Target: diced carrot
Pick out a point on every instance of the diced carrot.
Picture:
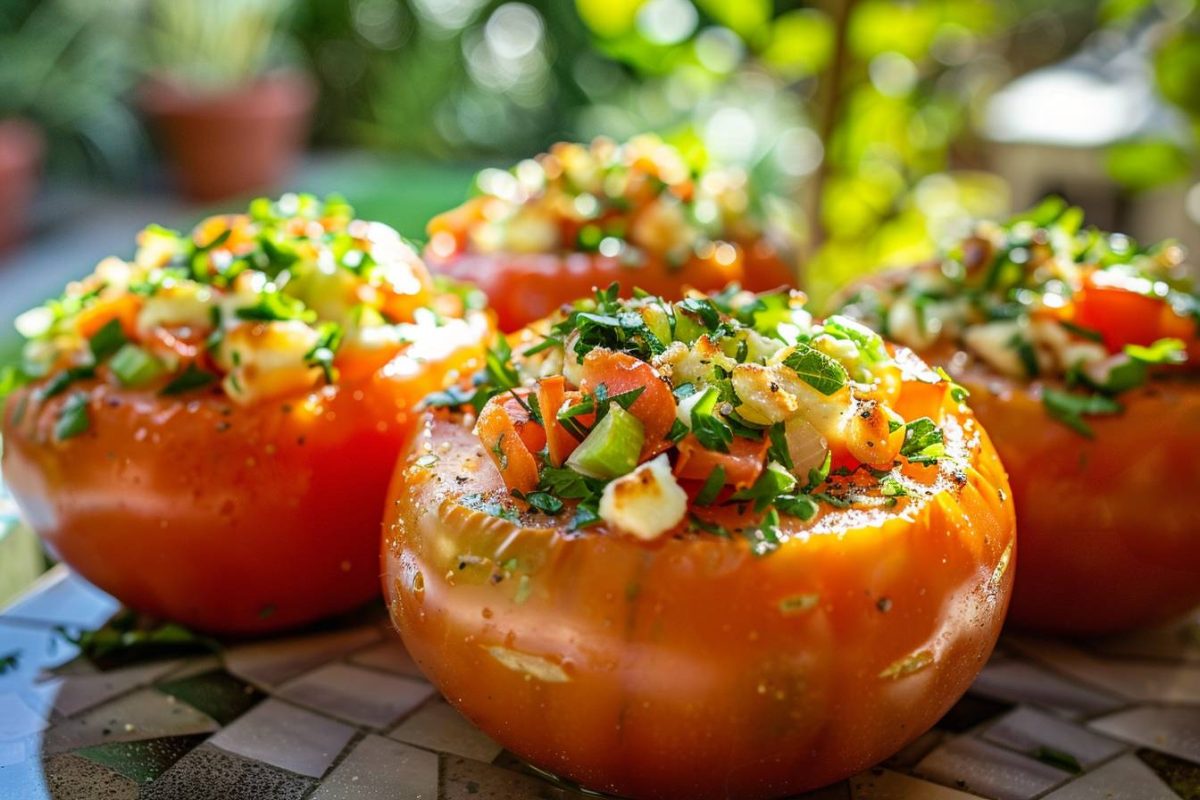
(500, 439)
(531, 433)
(620, 373)
(551, 392)
(920, 399)
(124, 307)
(457, 222)
(742, 464)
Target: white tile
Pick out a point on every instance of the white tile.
(389, 656)
(287, 737)
(1027, 730)
(358, 695)
(438, 726)
(988, 770)
(1171, 730)
(61, 597)
(1022, 682)
(272, 662)
(380, 769)
(17, 720)
(1124, 778)
(464, 779)
(1136, 680)
(142, 714)
(79, 692)
(883, 784)
(1176, 641)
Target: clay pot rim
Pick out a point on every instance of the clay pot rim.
(269, 94)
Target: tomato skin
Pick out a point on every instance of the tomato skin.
(523, 288)
(225, 518)
(669, 669)
(1109, 524)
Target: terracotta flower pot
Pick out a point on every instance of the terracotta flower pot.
(232, 143)
(20, 164)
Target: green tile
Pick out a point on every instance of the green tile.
(216, 693)
(142, 761)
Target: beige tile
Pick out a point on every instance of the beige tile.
(284, 736)
(437, 726)
(142, 714)
(380, 769)
(1124, 778)
(1171, 730)
(272, 662)
(358, 695)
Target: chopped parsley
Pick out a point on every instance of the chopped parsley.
(1070, 408)
(820, 371)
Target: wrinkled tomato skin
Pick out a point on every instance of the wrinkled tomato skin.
(228, 519)
(677, 668)
(524, 288)
(1109, 526)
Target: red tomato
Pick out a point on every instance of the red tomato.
(227, 518)
(688, 667)
(523, 288)
(1108, 524)
(1122, 317)
(742, 464)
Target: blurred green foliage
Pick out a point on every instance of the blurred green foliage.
(858, 112)
(66, 65)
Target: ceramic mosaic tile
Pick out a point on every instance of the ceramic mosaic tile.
(357, 695)
(285, 736)
(208, 773)
(1048, 738)
(1135, 680)
(380, 769)
(884, 784)
(80, 692)
(389, 656)
(1125, 778)
(73, 778)
(343, 712)
(1178, 641)
(989, 771)
(438, 727)
(274, 661)
(142, 714)
(1171, 730)
(1020, 681)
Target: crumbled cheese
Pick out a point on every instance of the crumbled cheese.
(179, 305)
(266, 359)
(993, 343)
(645, 503)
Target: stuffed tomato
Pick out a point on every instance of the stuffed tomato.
(207, 431)
(555, 227)
(701, 549)
(1080, 351)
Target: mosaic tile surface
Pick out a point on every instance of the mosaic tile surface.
(341, 712)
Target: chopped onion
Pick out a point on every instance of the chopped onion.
(806, 446)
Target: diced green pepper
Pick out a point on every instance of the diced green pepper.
(612, 448)
(133, 366)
